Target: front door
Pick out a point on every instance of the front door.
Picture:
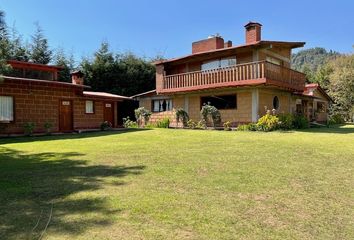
(108, 112)
(65, 116)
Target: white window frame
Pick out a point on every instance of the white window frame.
(89, 109)
(158, 103)
(219, 63)
(7, 109)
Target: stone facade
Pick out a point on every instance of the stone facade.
(242, 114)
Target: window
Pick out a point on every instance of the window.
(227, 62)
(275, 103)
(321, 107)
(273, 60)
(89, 107)
(161, 105)
(6, 109)
(219, 63)
(220, 102)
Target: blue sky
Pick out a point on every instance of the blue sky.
(150, 27)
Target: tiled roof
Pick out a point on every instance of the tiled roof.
(259, 43)
(31, 64)
(311, 87)
(46, 82)
(144, 93)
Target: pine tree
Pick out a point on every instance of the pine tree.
(124, 74)
(67, 62)
(40, 52)
(19, 51)
(4, 45)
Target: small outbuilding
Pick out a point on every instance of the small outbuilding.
(33, 94)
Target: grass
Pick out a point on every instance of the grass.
(179, 184)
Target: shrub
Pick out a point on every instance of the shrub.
(336, 119)
(28, 128)
(247, 127)
(286, 121)
(227, 126)
(150, 125)
(268, 123)
(142, 114)
(300, 122)
(201, 125)
(164, 123)
(127, 123)
(211, 111)
(183, 116)
(191, 124)
(48, 127)
(106, 126)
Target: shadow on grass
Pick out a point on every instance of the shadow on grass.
(33, 186)
(7, 140)
(338, 129)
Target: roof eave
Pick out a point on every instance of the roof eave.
(251, 45)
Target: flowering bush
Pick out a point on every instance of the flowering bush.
(191, 124)
(127, 123)
(201, 124)
(142, 114)
(213, 112)
(227, 126)
(268, 123)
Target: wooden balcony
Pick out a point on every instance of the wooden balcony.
(254, 73)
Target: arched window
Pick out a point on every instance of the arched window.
(275, 103)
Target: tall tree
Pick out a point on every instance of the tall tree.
(341, 85)
(124, 74)
(19, 51)
(67, 62)
(39, 48)
(5, 45)
(99, 71)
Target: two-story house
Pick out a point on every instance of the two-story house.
(242, 81)
(31, 93)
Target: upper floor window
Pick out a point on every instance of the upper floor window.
(89, 107)
(219, 63)
(273, 60)
(31, 73)
(220, 102)
(6, 109)
(161, 105)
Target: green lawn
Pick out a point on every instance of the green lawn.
(179, 184)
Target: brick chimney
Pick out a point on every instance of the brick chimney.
(77, 77)
(253, 32)
(211, 43)
(228, 44)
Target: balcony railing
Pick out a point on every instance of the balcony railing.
(243, 74)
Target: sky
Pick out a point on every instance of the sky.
(156, 27)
